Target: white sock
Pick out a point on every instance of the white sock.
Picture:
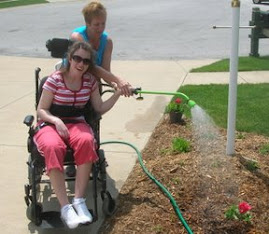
(78, 200)
(65, 208)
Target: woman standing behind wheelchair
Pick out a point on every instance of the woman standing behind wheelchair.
(71, 88)
(94, 33)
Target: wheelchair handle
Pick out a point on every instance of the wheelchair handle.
(37, 71)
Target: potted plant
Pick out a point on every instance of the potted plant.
(175, 109)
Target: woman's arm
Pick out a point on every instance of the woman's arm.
(101, 106)
(75, 36)
(104, 71)
(109, 78)
(106, 61)
(44, 113)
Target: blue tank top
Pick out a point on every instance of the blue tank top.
(103, 40)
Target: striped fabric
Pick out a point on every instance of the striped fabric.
(66, 97)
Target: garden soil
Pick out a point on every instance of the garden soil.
(204, 182)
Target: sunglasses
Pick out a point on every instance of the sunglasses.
(78, 59)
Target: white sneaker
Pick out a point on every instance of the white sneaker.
(70, 217)
(82, 210)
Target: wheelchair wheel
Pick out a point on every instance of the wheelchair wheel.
(34, 213)
(109, 204)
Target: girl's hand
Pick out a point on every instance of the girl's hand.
(127, 93)
(61, 128)
(118, 92)
(125, 88)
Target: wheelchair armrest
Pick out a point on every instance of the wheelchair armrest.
(28, 120)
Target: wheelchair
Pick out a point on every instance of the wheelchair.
(36, 162)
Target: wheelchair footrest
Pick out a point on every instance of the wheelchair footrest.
(52, 219)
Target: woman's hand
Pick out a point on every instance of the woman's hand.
(125, 87)
(61, 128)
(126, 90)
(109, 78)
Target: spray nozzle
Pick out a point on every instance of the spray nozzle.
(137, 91)
(191, 103)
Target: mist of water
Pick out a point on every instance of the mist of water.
(214, 166)
(205, 132)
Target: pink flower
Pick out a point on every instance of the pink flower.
(178, 100)
(244, 207)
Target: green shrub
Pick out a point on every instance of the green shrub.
(252, 165)
(264, 149)
(180, 145)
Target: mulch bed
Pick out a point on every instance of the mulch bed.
(205, 182)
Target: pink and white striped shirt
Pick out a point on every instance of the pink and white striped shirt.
(64, 96)
(69, 98)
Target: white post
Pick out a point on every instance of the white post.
(233, 78)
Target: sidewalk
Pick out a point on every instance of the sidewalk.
(130, 120)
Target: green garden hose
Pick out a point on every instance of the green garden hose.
(190, 102)
(164, 190)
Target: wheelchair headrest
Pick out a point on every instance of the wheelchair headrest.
(58, 46)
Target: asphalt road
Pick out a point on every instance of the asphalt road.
(141, 29)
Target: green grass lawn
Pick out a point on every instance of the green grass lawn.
(252, 105)
(252, 99)
(244, 64)
(6, 4)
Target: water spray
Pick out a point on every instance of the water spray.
(190, 102)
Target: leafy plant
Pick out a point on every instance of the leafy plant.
(158, 228)
(176, 105)
(180, 145)
(241, 136)
(240, 212)
(165, 151)
(264, 149)
(252, 165)
(181, 163)
(175, 180)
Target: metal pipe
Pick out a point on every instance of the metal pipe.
(233, 78)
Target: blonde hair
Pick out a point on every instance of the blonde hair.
(92, 10)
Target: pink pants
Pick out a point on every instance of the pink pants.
(53, 147)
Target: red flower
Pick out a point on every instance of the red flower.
(178, 100)
(244, 207)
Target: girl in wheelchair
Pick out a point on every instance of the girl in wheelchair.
(61, 123)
